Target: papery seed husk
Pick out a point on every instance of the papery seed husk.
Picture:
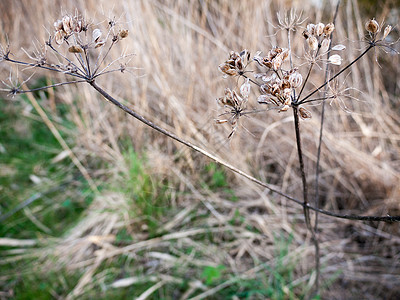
(372, 26)
(329, 28)
(66, 24)
(319, 29)
(96, 34)
(386, 32)
(339, 47)
(99, 44)
(325, 45)
(245, 89)
(123, 33)
(75, 49)
(304, 113)
(335, 59)
(311, 29)
(58, 25)
(313, 42)
(59, 37)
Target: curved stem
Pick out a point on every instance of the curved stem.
(232, 168)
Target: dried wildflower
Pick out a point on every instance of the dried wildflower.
(290, 20)
(235, 106)
(372, 26)
(236, 64)
(335, 59)
(273, 59)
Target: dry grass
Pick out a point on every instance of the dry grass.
(178, 46)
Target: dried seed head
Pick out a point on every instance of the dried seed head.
(75, 49)
(319, 29)
(325, 45)
(96, 34)
(59, 37)
(312, 42)
(387, 30)
(372, 26)
(329, 28)
(335, 59)
(304, 113)
(123, 33)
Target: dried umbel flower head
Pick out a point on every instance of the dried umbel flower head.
(236, 64)
(274, 59)
(235, 106)
(372, 26)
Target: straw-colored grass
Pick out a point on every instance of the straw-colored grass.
(178, 46)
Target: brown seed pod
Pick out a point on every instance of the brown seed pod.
(304, 113)
(75, 49)
(329, 28)
(59, 37)
(372, 26)
(123, 33)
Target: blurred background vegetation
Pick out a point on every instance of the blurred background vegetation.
(163, 222)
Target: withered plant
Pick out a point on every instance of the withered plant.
(80, 49)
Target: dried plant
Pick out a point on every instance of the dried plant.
(80, 49)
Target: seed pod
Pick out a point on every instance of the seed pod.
(329, 28)
(123, 33)
(99, 44)
(313, 42)
(387, 30)
(311, 29)
(325, 45)
(96, 34)
(75, 49)
(245, 89)
(319, 29)
(59, 37)
(304, 113)
(372, 26)
(335, 59)
(295, 80)
(58, 25)
(66, 20)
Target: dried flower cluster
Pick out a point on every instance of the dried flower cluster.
(81, 50)
(280, 83)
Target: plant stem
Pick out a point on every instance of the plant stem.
(344, 69)
(232, 168)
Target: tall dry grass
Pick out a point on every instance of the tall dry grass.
(178, 46)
